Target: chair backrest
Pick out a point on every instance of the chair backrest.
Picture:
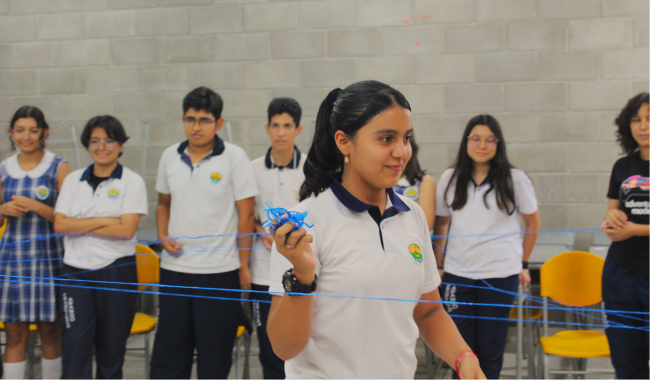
(573, 278)
(3, 228)
(147, 262)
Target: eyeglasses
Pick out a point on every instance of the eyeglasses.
(109, 144)
(476, 139)
(189, 122)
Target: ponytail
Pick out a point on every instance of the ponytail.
(343, 110)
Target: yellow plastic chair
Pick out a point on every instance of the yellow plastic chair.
(572, 279)
(147, 263)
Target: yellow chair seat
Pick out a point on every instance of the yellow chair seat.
(143, 323)
(240, 331)
(576, 344)
(534, 314)
(32, 327)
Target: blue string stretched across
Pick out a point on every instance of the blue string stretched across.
(515, 233)
(282, 215)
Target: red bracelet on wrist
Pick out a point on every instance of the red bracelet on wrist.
(462, 356)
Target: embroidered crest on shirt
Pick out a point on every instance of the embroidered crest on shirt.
(416, 253)
(411, 192)
(42, 192)
(112, 193)
(215, 177)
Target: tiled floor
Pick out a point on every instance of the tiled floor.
(134, 363)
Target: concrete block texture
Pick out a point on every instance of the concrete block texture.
(641, 32)
(592, 157)
(566, 188)
(5, 56)
(536, 97)
(62, 81)
(218, 75)
(82, 5)
(294, 45)
(164, 78)
(474, 98)
(549, 35)
(85, 53)
(539, 157)
(393, 70)
(276, 74)
(50, 105)
(104, 80)
(110, 24)
(17, 28)
(586, 215)
(217, 19)
(36, 54)
(271, 16)
(568, 66)
(327, 14)
(189, 49)
(135, 51)
(469, 39)
(445, 68)
(83, 107)
(443, 11)
(504, 67)
(424, 99)
(554, 217)
(164, 21)
(500, 10)
(244, 46)
(4, 7)
(623, 64)
(562, 9)
(60, 26)
(616, 8)
(328, 73)
(600, 34)
(34, 6)
(133, 4)
(384, 12)
(21, 82)
(567, 127)
(353, 43)
(602, 95)
(425, 39)
(138, 106)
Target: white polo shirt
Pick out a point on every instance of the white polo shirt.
(280, 186)
(489, 256)
(203, 203)
(124, 192)
(359, 256)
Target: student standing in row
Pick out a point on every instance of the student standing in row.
(99, 209)
(205, 186)
(30, 184)
(482, 194)
(625, 276)
(418, 186)
(366, 241)
(279, 177)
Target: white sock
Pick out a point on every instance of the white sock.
(14, 370)
(51, 368)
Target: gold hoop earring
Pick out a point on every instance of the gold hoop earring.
(346, 159)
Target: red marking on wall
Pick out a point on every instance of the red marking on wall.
(417, 43)
(425, 17)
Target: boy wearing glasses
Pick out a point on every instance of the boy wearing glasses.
(279, 177)
(205, 213)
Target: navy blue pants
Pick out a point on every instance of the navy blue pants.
(487, 338)
(187, 323)
(96, 319)
(272, 365)
(627, 291)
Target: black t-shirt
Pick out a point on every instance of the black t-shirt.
(94, 181)
(629, 184)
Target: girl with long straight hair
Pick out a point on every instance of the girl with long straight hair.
(484, 196)
(365, 241)
(30, 183)
(625, 275)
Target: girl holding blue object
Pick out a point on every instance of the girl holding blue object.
(363, 240)
(625, 275)
(482, 194)
(418, 186)
(30, 184)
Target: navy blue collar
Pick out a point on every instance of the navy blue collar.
(116, 173)
(293, 164)
(219, 147)
(354, 204)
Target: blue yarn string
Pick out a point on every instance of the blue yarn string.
(281, 216)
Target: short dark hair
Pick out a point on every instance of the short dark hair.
(624, 133)
(278, 106)
(29, 112)
(109, 124)
(203, 98)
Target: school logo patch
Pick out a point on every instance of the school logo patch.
(215, 177)
(416, 253)
(42, 192)
(113, 193)
(411, 192)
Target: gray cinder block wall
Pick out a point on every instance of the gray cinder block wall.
(554, 72)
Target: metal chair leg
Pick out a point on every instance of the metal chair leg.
(247, 350)
(31, 356)
(237, 353)
(147, 363)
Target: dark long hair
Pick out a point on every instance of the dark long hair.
(624, 133)
(499, 176)
(412, 171)
(30, 112)
(343, 110)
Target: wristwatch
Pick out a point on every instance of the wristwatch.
(292, 285)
